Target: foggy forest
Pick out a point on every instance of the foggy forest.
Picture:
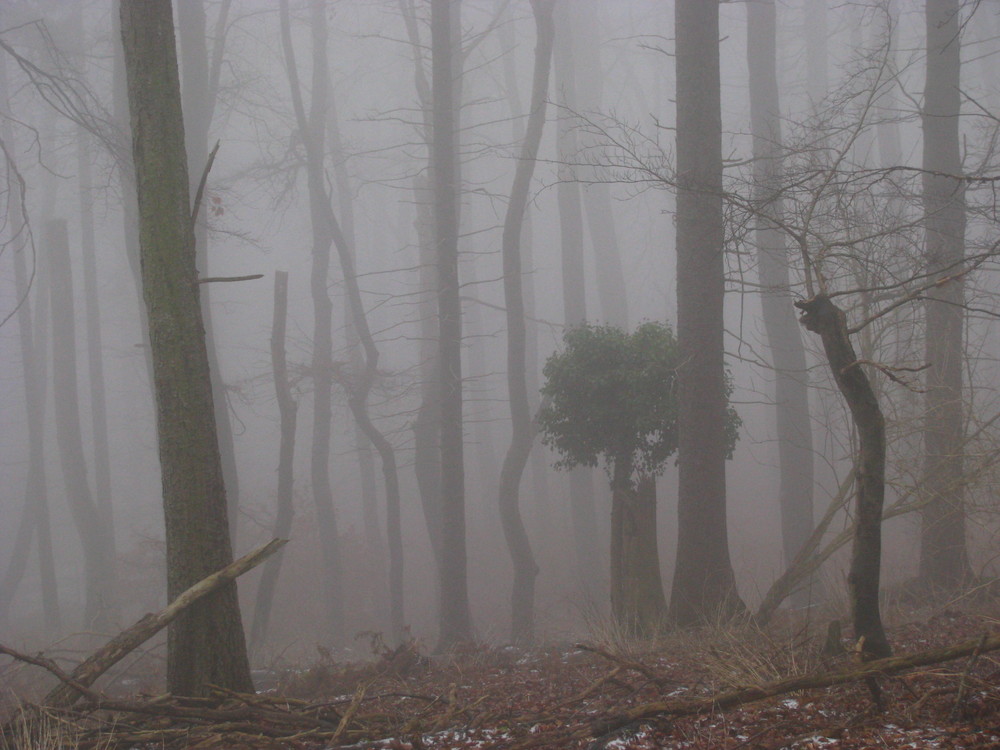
(499, 373)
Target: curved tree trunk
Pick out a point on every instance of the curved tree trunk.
(312, 129)
(823, 317)
(523, 430)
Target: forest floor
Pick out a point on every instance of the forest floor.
(574, 696)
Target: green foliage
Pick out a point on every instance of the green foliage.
(613, 395)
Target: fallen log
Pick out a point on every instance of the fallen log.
(742, 695)
(99, 662)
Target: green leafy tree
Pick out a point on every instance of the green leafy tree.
(611, 398)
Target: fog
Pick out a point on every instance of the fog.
(59, 63)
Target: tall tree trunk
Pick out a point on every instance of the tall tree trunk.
(32, 336)
(288, 418)
(944, 562)
(582, 500)
(199, 91)
(791, 395)
(98, 565)
(455, 621)
(824, 318)
(522, 428)
(205, 645)
(814, 26)
(361, 382)
(704, 584)
(312, 130)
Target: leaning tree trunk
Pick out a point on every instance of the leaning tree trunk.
(523, 430)
(704, 584)
(824, 318)
(791, 387)
(287, 420)
(206, 645)
(944, 561)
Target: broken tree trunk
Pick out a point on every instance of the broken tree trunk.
(128, 640)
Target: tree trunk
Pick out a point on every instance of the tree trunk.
(455, 620)
(98, 566)
(704, 584)
(944, 562)
(824, 318)
(32, 337)
(581, 481)
(288, 417)
(199, 91)
(637, 601)
(522, 428)
(791, 395)
(206, 645)
(312, 129)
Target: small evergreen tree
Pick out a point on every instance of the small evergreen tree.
(611, 396)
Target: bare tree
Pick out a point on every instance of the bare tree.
(944, 561)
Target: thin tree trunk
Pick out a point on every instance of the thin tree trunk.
(312, 128)
(288, 418)
(98, 565)
(455, 621)
(704, 584)
(206, 645)
(824, 318)
(791, 394)
(944, 562)
(522, 428)
(32, 333)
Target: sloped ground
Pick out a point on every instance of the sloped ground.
(568, 696)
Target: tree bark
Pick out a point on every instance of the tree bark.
(704, 584)
(824, 318)
(788, 358)
(205, 645)
(944, 562)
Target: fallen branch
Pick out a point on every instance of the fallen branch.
(121, 645)
(740, 696)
